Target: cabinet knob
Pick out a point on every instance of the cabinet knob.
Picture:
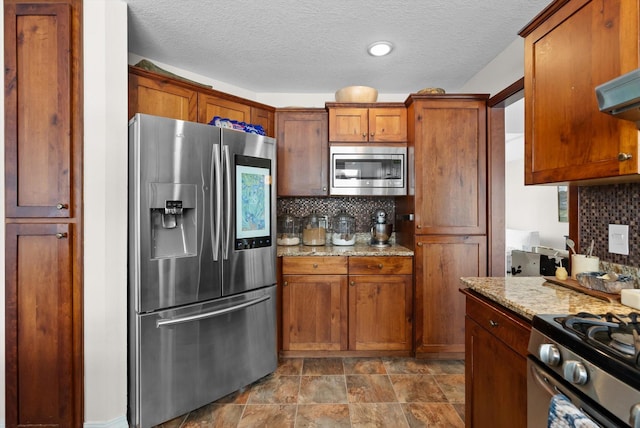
(380, 266)
(418, 227)
(352, 283)
(315, 265)
(624, 156)
(364, 135)
(284, 284)
(493, 323)
(419, 244)
(61, 235)
(324, 188)
(373, 134)
(62, 206)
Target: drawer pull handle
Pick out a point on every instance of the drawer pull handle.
(419, 244)
(315, 265)
(61, 235)
(418, 227)
(61, 206)
(285, 284)
(493, 323)
(352, 283)
(624, 156)
(380, 266)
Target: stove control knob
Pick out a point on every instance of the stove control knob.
(549, 354)
(575, 372)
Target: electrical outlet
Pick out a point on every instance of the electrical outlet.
(619, 239)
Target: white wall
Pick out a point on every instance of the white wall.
(105, 214)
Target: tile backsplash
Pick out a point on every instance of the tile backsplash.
(600, 206)
(362, 208)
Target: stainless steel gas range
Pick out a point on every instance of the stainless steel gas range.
(588, 361)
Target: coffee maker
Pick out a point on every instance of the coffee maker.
(380, 230)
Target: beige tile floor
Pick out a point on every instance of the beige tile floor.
(342, 392)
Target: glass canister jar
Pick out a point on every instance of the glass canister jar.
(288, 230)
(343, 229)
(314, 229)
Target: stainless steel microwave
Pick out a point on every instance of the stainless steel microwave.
(370, 170)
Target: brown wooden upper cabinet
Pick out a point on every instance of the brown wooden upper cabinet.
(570, 48)
(450, 143)
(159, 95)
(373, 123)
(303, 152)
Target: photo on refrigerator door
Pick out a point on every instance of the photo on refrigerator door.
(253, 202)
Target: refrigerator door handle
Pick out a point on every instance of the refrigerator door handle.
(226, 166)
(211, 314)
(216, 228)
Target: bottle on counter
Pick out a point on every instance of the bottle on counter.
(288, 230)
(343, 229)
(314, 229)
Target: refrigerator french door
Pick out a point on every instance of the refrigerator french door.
(201, 265)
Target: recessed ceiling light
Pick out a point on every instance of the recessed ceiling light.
(380, 48)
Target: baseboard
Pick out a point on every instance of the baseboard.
(120, 422)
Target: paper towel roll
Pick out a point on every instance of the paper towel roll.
(581, 263)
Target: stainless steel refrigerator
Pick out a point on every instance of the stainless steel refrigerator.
(202, 320)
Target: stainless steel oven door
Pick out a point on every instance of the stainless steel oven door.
(542, 385)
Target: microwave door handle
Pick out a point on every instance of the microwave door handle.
(226, 167)
(211, 314)
(216, 228)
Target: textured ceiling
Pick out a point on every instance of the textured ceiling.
(318, 47)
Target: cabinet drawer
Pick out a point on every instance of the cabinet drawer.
(507, 327)
(380, 265)
(314, 265)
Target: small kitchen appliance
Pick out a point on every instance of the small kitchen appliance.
(380, 230)
(591, 360)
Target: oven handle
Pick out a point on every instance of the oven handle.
(550, 385)
(211, 314)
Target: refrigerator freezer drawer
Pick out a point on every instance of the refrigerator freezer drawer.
(185, 358)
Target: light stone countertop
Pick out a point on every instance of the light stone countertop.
(359, 249)
(529, 296)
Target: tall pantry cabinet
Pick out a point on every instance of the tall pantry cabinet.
(43, 213)
(444, 216)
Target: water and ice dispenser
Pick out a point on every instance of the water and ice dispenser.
(173, 212)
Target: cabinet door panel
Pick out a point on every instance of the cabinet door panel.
(380, 312)
(579, 47)
(303, 153)
(161, 98)
(263, 118)
(210, 106)
(450, 167)
(387, 125)
(348, 124)
(497, 375)
(38, 119)
(440, 262)
(39, 301)
(314, 313)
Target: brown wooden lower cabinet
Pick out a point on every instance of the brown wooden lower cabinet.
(39, 333)
(495, 365)
(440, 263)
(361, 304)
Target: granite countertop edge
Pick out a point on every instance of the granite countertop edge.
(529, 296)
(359, 249)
